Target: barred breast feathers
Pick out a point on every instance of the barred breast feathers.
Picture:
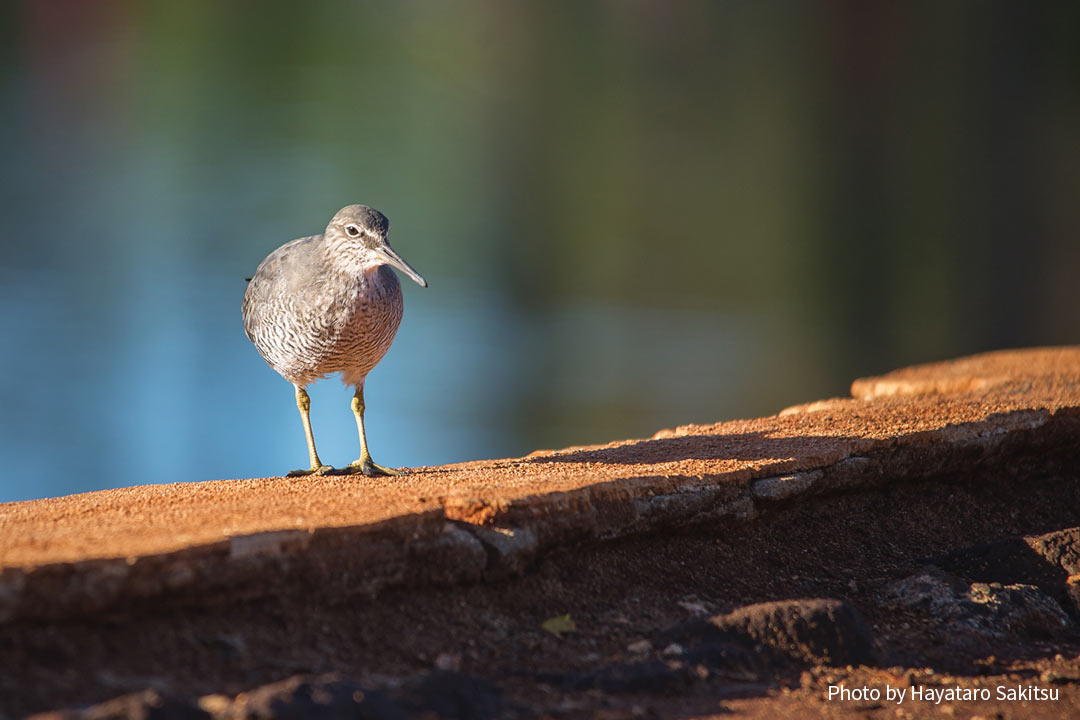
(331, 324)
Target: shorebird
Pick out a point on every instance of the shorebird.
(325, 304)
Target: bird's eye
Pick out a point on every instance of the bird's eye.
(352, 230)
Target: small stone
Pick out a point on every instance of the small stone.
(448, 661)
(673, 649)
(693, 606)
(784, 486)
(639, 647)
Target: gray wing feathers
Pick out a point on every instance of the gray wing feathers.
(280, 276)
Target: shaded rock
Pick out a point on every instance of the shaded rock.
(1061, 548)
(812, 631)
(782, 487)
(509, 549)
(761, 642)
(1072, 592)
(1022, 610)
(1048, 561)
(993, 610)
(1009, 561)
(932, 590)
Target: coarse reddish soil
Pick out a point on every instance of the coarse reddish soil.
(435, 593)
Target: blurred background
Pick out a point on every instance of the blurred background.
(633, 215)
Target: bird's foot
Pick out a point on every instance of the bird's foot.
(368, 467)
(314, 470)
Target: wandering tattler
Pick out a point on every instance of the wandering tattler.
(329, 303)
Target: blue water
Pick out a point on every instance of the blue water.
(631, 218)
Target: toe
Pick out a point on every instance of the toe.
(368, 468)
(320, 470)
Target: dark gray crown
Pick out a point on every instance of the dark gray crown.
(367, 218)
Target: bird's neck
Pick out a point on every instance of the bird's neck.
(357, 278)
(344, 259)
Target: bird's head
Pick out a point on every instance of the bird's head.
(365, 232)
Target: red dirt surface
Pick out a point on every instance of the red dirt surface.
(149, 519)
(217, 588)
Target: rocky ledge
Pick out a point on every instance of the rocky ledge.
(921, 534)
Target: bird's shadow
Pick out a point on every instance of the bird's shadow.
(751, 446)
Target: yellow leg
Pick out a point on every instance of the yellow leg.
(365, 464)
(303, 404)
